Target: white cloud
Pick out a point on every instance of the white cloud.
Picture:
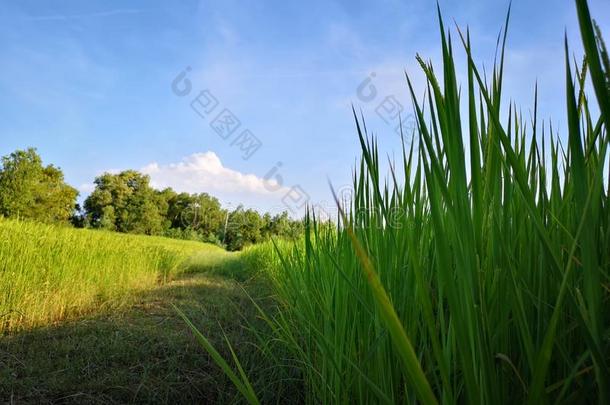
(204, 172)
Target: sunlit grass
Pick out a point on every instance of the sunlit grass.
(483, 275)
(48, 273)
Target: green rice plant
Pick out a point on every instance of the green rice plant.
(485, 275)
(48, 273)
(241, 382)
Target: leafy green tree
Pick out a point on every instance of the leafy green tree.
(126, 202)
(244, 227)
(78, 218)
(281, 226)
(178, 209)
(200, 213)
(30, 190)
(232, 234)
(163, 199)
(209, 215)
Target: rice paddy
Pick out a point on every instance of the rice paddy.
(474, 269)
(49, 273)
(478, 270)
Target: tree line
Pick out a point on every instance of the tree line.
(126, 202)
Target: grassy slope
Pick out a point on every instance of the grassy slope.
(142, 353)
(50, 273)
(88, 317)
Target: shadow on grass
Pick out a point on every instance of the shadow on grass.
(142, 354)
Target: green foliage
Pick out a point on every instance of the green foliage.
(48, 272)
(281, 226)
(247, 227)
(142, 352)
(125, 202)
(463, 278)
(198, 213)
(243, 228)
(241, 382)
(30, 190)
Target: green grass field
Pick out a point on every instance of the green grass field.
(89, 317)
(141, 352)
(477, 270)
(49, 273)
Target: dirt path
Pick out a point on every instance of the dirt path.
(142, 354)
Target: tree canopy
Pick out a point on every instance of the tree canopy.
(30, 190)
(126, 202)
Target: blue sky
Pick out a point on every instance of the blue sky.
(90, 83)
